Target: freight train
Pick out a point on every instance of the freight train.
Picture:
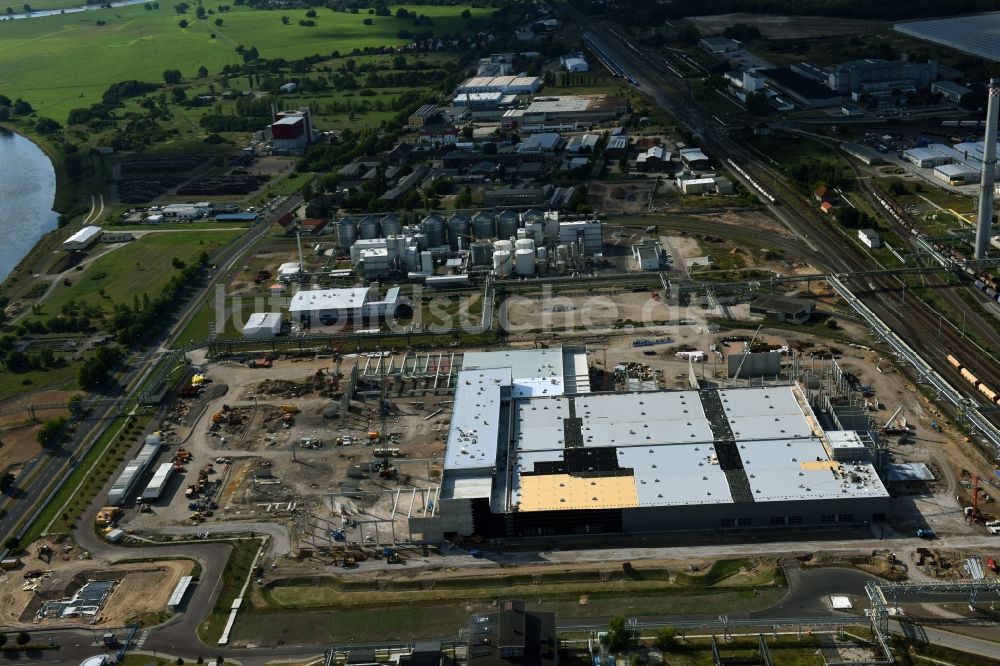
(757, 186)
(984, 282)
(990, 393)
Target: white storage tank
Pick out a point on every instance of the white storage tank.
(524, 262)
(542, 254)
(522, 233)
(501, 262)
(525, 244)
(503, 245)
(562, 253)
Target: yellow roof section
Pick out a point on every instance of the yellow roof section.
(819, 464)
(547, 492)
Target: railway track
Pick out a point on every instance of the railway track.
(912, 319)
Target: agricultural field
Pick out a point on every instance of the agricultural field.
(137, 43)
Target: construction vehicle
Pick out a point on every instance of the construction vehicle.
(926, 533)
(287, 420)
(392, 556)
(289, 409)
(265, 362)
(107, 516)
(895, 425)
(992, 565)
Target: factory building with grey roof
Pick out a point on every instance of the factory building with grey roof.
(532, 452)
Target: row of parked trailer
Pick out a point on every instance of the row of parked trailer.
(985, 389)
(984, 282)
(126, 481)
(761, 190)
(607, 61)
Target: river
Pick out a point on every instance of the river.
(27, 191)
(69, 10)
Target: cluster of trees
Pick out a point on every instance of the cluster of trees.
(96, 370)
(810, 174)
(17, 107)
(855, 219)
(22, 637)
(113, 98)
(641, 12)
(50, 435)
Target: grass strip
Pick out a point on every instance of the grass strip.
(233, 577)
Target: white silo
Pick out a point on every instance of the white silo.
(525, 244)
(522, 233)
(503, 246)
(501, 262)
(562, 253)
(524, 262)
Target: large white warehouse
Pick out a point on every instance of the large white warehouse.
(531, 452)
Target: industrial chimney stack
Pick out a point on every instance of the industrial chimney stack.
(984, 223)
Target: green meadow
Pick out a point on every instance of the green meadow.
(63, 62)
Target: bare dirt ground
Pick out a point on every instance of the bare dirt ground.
(273, 476)
(18, 431)
(143, 587)
(786, 27)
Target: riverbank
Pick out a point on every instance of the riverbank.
(71, 202)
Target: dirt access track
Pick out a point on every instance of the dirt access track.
(786, 27)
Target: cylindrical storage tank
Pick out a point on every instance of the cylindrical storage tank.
(433, 228)
(481, 252)
(347, 233)
(507, 224)
(426, 262)
(524, 262)
(560, 266)
(484, 225)
(503, 245)
(562, 253)
(537, 231)
(368, 228)
(542, 255)
(392, 225)
(525, 244)
(501, 263)
(458, 232)
(421, 241)
(522, 233)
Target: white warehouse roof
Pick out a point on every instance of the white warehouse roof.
(84, 235)
(329, 299)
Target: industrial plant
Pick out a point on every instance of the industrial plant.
(531, 451)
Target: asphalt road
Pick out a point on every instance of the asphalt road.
(53, 465)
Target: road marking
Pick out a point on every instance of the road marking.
(139, 642)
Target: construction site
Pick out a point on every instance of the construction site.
(348, 451)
